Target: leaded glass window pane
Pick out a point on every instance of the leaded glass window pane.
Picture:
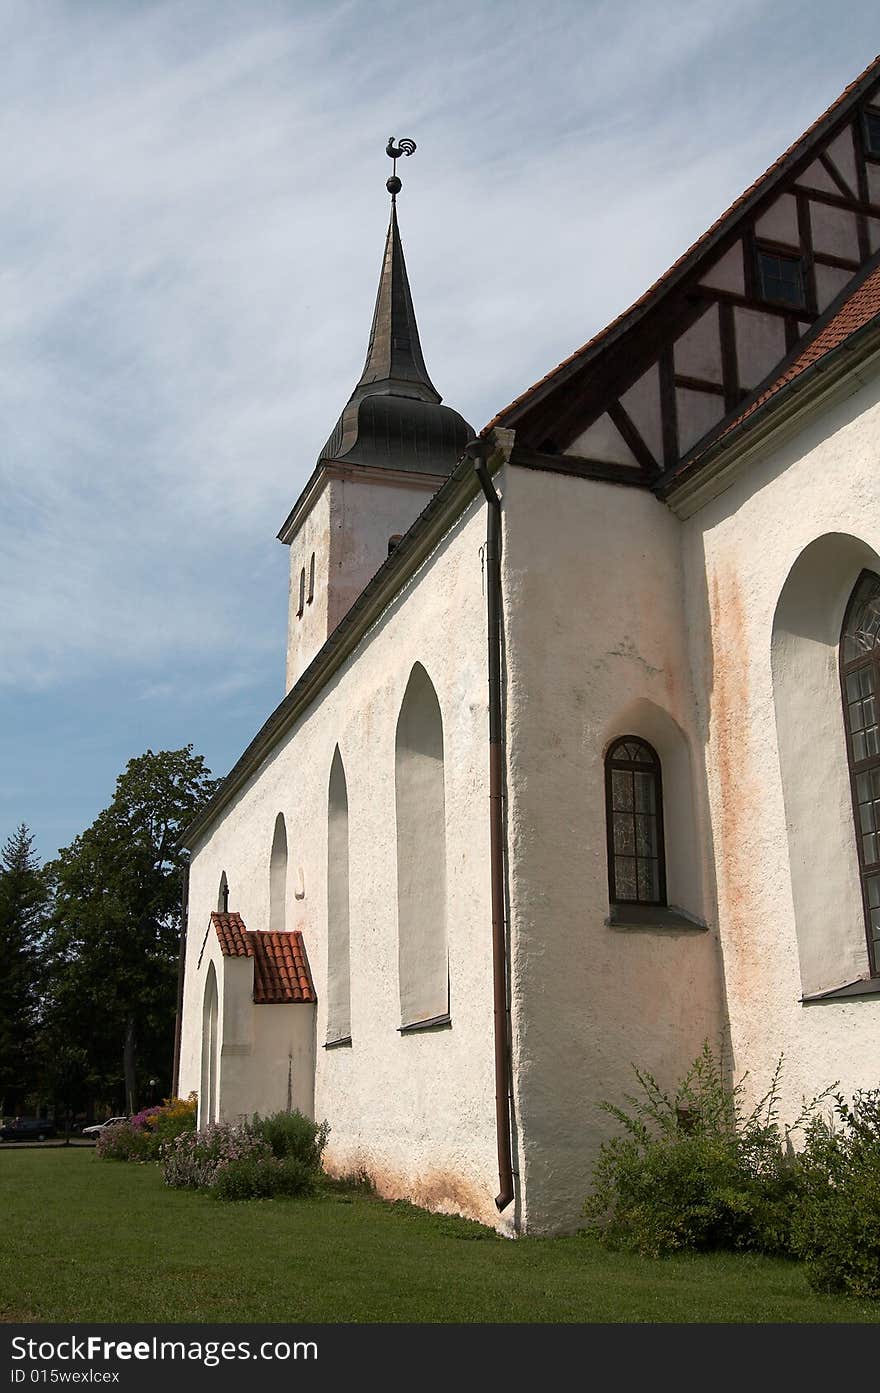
(862, 625)
(635, 823)
(860, 685)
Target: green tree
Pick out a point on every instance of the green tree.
(115, 925)
(23, 903)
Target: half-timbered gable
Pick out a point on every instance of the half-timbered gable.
(649, 391)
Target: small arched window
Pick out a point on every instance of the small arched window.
(394, 541)
(302, 593)
(860, 683)
(311, 594)
(223, 894)
(634, 814)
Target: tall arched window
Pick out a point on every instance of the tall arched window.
(421, 854)
(278, 876)
(634, 814)
(311, 594)
(208, 1089)
(302, 593)
(860, 682)
(338, 938)
(223, 895)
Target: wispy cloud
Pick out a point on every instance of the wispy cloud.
(191, 219)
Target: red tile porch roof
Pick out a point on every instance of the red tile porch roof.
(281, 965)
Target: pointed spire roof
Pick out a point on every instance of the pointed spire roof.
(394, 418)
(394, 357)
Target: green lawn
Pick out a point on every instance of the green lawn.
(91, 1240)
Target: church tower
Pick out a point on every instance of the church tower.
(390, 450)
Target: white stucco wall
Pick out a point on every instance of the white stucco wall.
(266, 1058)
(595, 649)
(740, 550)
(415, 1110)
(347, 528)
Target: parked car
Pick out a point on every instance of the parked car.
(27, 1129)
(97, 1127)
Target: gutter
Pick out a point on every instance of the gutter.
(479, 450)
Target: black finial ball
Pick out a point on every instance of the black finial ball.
(393, 185)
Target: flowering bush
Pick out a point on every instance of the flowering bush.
(142, 1138)
(255, 1159)
(145, 1119)
(193, 1160)
(125, 1142)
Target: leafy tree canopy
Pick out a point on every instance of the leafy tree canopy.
(116, 920)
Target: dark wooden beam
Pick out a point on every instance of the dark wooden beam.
(668, 408)
(729, 365)
(864, 189)
(842, 263)
(632, 437)
(748, 302)
(805, 232)
(834, 173)
(578, 466)
(698, 384)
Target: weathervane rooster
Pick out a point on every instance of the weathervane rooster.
(394, 152)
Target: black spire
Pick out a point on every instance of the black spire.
(394, 418)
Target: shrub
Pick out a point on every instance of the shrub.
(175, 1116)
(837, 1225)
(277, 1155)
(694, 1171)
(262, 1177)
(125, 1142)
(143, 1136)
(193, 1160)
(292, 1134)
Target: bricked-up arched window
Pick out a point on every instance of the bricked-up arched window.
(634, 812)
(860, 681)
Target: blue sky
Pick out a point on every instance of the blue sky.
(193, 213)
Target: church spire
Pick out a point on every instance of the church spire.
(394, 357)
(394, 418)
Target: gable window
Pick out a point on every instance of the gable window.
(634, 812)
(311, 594)
(860, 682)
(780, 278)
(302, 593)
(872, 132)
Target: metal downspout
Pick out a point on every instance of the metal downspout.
(477, 450)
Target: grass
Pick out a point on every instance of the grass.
(91, 1240)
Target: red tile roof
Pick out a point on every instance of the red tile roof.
(281, 964)
(281, 968)
(653, 292)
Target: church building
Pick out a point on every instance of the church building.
(578, 764)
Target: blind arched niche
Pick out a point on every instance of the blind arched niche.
(421, 854)
(278, 876)
(811, 736)
(338, 938)
(210, 1013)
